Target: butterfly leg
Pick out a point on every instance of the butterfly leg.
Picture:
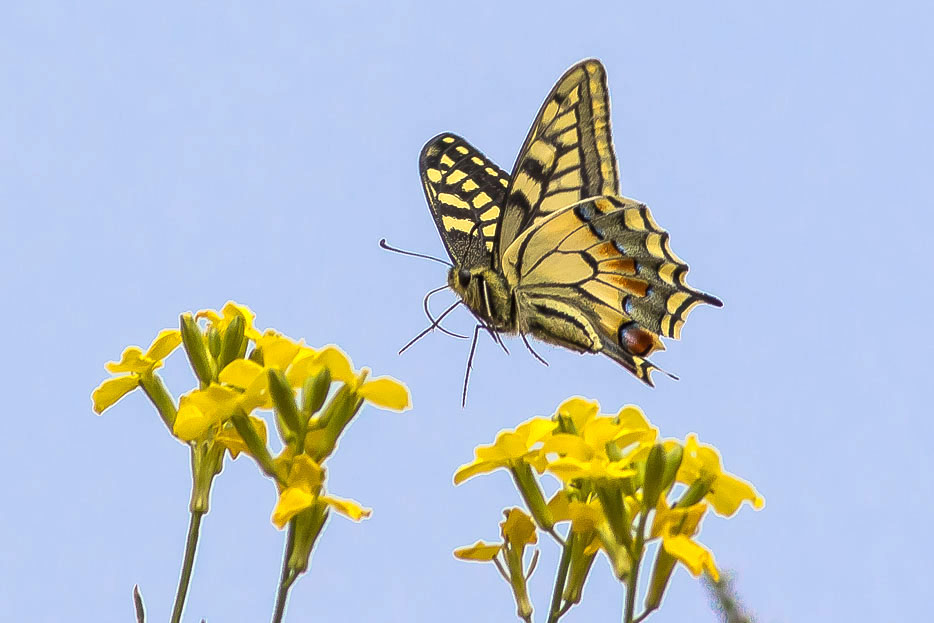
(473, 349)
(532, 350)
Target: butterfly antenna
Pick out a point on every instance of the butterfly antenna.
(532, 350)
(437, 323)
(473, 349)
(384, 245)
(433, 325)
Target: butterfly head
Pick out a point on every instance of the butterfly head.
(484, 291)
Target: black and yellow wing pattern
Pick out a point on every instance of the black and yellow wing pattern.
(465, 193)
(557, 252)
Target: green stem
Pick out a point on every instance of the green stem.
(191, 545)
(633, 580)
(643, 616)
(286, 578)
(555, 611)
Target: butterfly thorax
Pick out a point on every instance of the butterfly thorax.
(486, 293)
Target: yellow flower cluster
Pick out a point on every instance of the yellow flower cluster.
(242, 370)
(615, 475)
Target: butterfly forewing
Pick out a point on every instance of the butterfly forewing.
(567, 156)
(465, 192)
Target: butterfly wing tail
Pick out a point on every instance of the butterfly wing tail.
(557, 317)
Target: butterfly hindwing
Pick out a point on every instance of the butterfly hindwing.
(600, 277)
(465, 192)
(567, 156)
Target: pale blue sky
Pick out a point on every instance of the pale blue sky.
(159, 160)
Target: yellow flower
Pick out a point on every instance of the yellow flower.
(727, 492)
(221, 321)
(579, 411)
(676, 527)
(303, 490)
(517, 529)
(510, 449)
(585, 455)
(133, 363)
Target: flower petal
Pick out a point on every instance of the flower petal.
(161, 347)
(518, 528)
(565, 444)
(112, 390)
(191, 422)
(692, 555)
(476, 468)
(337, 363)
(292, 501)
(348, 508)
(631, 417)
(131, 360)
(728, 493)
(278, 350)
(305, 472)
(240, 373)
(231, 308)
(580, 410)
(478, 552)
(567, 469)
(386, 392)
(584, 517)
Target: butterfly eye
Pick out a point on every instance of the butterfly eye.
(463, 277)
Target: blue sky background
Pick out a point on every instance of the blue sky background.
(158, 160)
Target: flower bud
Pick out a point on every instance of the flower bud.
(231, 343)
(283, 398)
(201, 361)
(306, 528)
(661, 574)
(672, 463)
(614, 509)
(696, 492)
(214, 341)
(654, 473)
(579, 568)
(315, 392)
(532, 495)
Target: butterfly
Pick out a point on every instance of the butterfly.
(553, 250)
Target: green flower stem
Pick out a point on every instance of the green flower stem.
(643, 616)
(191, 545)
(206, 462)
(632, 582)
(555, 611)
(286, 577)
